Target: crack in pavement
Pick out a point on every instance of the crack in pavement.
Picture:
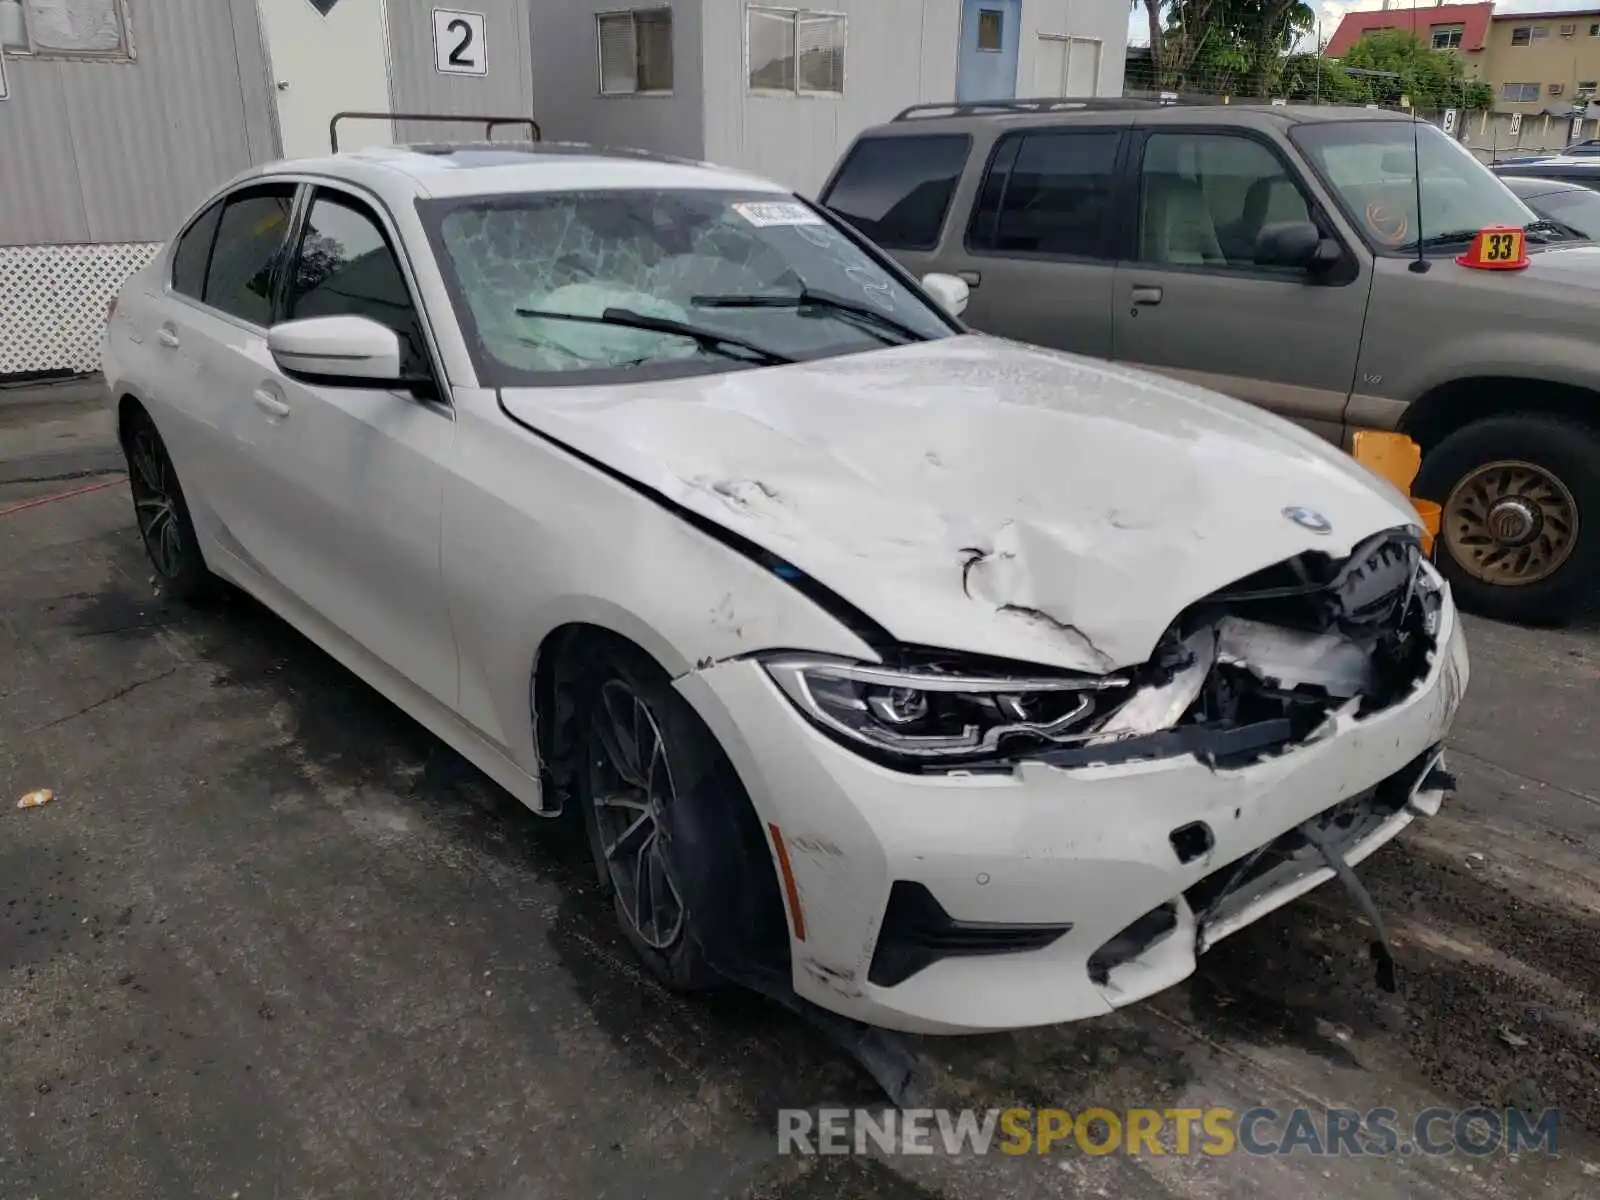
(1558, 787)
(112, 698)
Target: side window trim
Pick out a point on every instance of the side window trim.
(384, 219)
(1291, 170)
(291, 248)
(1006, 147)
(1112, 226)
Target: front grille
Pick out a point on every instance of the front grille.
(1339, 820)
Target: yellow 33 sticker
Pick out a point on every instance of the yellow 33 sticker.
(1502, 247)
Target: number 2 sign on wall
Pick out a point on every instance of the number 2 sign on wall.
(458, 42)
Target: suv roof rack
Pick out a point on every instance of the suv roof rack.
(490, 124)
(1046, 104)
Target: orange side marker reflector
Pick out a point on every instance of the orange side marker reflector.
(1496, 248)
(797, 917)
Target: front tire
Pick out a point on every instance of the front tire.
(162, 513)
(1519, 536)
(645, 753)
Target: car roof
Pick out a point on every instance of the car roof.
(1023, 114)
(443, 169)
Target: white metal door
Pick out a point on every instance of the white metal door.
(328, 56)
(1066, 66)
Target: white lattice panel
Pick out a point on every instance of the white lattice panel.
(53, 302)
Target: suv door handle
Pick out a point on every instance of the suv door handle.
(971, 278)
(1146, 295)
(168, 337)
(270, 404)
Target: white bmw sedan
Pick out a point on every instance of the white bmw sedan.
(959, 684)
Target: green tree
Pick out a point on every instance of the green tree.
(1226, 47)
(1313, 79)
(1433, 79)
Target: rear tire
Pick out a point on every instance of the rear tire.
(1519, 537)
(163, 513)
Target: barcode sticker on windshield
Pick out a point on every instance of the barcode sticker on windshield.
(780, 212)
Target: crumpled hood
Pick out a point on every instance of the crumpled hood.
(980, 495)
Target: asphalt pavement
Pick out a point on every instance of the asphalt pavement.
(271, 939)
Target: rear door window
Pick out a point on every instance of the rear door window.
(248, 250)
(897, 190)
(193, 251)
(1049, 194)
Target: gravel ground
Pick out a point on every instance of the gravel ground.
(272, 939)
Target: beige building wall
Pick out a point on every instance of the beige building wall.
(1537, 62)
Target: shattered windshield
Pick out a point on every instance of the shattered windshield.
(600, 286)
(1372, 168)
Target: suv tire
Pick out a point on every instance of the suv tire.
(1506, 482)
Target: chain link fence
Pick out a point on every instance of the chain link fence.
(1457, 107)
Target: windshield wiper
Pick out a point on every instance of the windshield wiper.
(1544, 229)
(807, 298)
(707, 339)
(1442, 239)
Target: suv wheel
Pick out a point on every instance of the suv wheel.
(1519, 537)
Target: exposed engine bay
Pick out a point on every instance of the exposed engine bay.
(1267, 663)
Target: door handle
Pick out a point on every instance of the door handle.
(270, 404)
(1147, 295)
(971, 278)
(168, 337)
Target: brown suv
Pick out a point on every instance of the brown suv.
(1277, 254)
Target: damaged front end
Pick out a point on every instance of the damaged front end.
(1273, 661)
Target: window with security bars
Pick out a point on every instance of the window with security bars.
(635, 52)
(796, 51)
(1519, 93)
(65, 28)
(1446, 37)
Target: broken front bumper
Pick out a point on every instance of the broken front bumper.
(1085, 851)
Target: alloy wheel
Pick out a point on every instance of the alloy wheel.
(631, 788)
(1510, 523)
(155, 500)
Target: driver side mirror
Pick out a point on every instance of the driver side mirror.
(347, 350)
(1295, 244)
(949, 292)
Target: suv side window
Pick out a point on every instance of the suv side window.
(1205, 197)
(897, 190)
(249, 246)
(193, 252)
(344, 266)
(1050, 194)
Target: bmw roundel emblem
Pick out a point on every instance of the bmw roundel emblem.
(1308, 518)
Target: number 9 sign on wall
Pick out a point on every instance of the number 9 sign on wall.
(458, 42)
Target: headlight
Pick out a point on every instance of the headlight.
(926, 713)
